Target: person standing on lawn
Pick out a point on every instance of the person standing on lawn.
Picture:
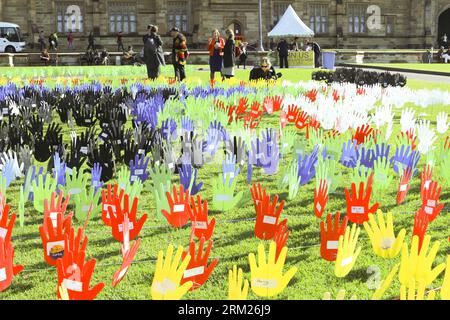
(283, 53)
(153, 52)
(215, 47)
(229, 55)
(180, 53)
(120, 46)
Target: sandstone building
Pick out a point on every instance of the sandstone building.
(337, 23)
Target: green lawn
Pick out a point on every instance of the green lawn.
(441, 67)
(233, 237)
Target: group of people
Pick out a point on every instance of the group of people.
(93, 57)
(283, 49)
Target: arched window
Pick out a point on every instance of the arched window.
(236, 27)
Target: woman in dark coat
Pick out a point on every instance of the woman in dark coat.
(153, 52)
(215, 48)
(229, 53)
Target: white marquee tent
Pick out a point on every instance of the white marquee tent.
(290, 25)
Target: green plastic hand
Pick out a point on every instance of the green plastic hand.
(293, 180)
(382, 177)
(75, 182)
(84, 201)
(43, 191)
(224, 198)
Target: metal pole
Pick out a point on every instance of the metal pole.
(261, 48)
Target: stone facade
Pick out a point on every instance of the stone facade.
(403, 23)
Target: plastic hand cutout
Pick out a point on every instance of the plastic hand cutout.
(411, 292)
(168, 274)
(445, 289)
(53, 235)
(281, 236)
(267, 278)
(201, 227)
(417, 265)
(127, 259)
(386, 283)
(404, 186)
(110, 197)
(235, 289)
(267, 215)
(358, 204)
(198, 270)
(430, 202)
(329, 238)
(347, 251)
(117, 219)
(180, 211)
(382, 237)
(224, 197)
(42, 189)
(7, 268)
(320, 199)
(6, 227)
(426, 177)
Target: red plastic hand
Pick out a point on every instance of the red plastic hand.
(267, 217)
(231, 110)
(425, 179)
(358, 205)
(117, 220)
(6, 227)
(109, 199)
(312, 95)
(200, 225)
(430, 202)
(180, 211)
(280, 237)
(76, 276)
(54, 209)
(320, 198)
(7, 268)
(255, 112)
(292, 114)
(258, 194)
(404, 186)
(53, 236)
(277, 102)
(361, 133)
(197, 270)
(128, 257)
(268, 105)
(329, 238)
(302, 120)
(420, 226)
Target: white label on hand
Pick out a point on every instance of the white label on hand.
(194, 272)
(269, 220)
(259, 156)
(427, 184)
(141, 151)
(133, 178)
(318, 207)
(331, 245)
(84, 150)
(264, 283)
(170, 165)
(211, 147)
(73, 285)
(178, 208)
(164, 286)
(104, 135)
(106, 206)
(50, 245)
(428, 210)
(387, 243)
(74, 191)
(230, 174)
(222, 197)
(2, 274)
(54, 217)
(157, 163)
(431, 203)
(346, 261)
(359, 210)
(85, 208)
(122, 273)
(3, 232)
(285, 145)
(139, 171)
(200, 225)
(130, 226)
(403, 187)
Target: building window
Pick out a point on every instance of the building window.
(279, 8)
(236, 27)
(390, 21)
(69, 18)
(357, 18)
(318, 18)
(177, 14)
(122, 17)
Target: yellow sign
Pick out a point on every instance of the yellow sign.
(303, 59)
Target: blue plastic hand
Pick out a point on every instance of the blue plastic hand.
(168, 129)
(8, 173)
(138, 168)
(405, 158)
(306, 168)
(229, 168)
(59, 172)
(187, 125)
(212, 142)
(271, 160)
(382, 152)
(217, 126)
(366, 157)
(194, 186)
(96, 173)
(349, 154)
(185, 175)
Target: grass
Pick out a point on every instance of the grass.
(233, 236)
(441, 67)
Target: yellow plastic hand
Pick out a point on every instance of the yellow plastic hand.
(412, 294)
(382, 237)
(445, 290)
(340, 295)
(346, 255)
(63, 292)
(267, 277)
(235, 289)
(166, 282)
(418, 266)
(385, 284)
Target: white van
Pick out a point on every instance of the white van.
(10, 38)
